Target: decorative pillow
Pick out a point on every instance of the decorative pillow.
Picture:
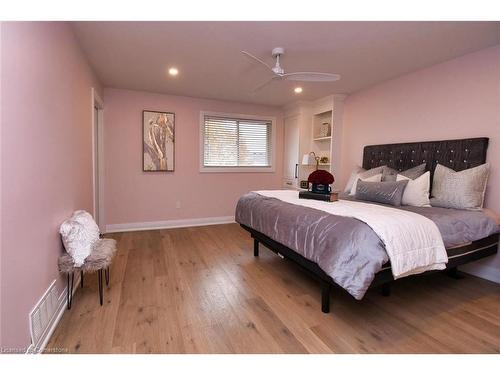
(78, 234)
(390, 174)
(353, 177)
(417, 191)
(382, 192)
(462, 190)
(366, 174)
(87, 220)
(375, 178)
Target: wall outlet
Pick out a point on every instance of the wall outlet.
(178, 204)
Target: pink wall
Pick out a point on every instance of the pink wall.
(456, 99)
(133, 196)
(46, 160)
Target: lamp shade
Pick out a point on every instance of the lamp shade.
(308, 159)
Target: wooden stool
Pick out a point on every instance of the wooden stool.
(99, 259)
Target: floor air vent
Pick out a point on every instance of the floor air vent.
(42, 316)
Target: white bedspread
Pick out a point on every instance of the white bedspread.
(412, 241)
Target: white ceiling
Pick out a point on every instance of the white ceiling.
(136, 55)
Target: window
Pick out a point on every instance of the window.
(236, 143)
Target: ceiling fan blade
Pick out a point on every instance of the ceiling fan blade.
(260, 87)
(248, 54)
(311, 76)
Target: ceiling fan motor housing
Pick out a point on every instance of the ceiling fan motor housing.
(278, 70)
(276, 53)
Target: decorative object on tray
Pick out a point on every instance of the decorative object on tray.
(158, 130)
(319, 187)
(324, 160)
(324, 129)
(321, 181)
(311, 159)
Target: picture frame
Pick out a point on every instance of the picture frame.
(158, 141)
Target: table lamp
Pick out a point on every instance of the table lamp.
(311, 159)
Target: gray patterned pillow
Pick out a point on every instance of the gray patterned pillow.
(463, 190)
(390, 174)
(364, 174)
(382, 192)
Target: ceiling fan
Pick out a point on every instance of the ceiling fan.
(280, 74)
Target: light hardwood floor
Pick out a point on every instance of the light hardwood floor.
(200, 290)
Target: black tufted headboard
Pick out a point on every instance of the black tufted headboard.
(458, 154)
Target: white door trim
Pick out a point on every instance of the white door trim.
(98, 186)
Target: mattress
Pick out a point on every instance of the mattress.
(465, 251)
(458, 227)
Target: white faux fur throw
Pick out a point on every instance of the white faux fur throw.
(79, 233)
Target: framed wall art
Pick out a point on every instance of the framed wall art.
(158, 140)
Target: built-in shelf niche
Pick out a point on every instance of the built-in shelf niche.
(321, 144)
(318, 120)
(302, 135)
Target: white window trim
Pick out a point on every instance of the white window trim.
(270, 169)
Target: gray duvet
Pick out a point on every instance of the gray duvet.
(347, 249)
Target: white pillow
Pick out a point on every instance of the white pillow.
(79, 233)
(376, 178)
(352, 178)
(86, 219)
(417, 191)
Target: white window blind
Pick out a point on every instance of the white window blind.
(234, 142)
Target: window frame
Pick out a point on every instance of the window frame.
(242, 169)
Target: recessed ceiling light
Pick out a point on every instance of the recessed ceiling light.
(298, 90)
(173, 71)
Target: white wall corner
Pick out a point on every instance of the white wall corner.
(296, 108)
(339, 97)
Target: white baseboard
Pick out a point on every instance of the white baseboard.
(483, 271)
(62, 306)
(182, 223)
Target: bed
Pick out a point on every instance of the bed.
(322, 244)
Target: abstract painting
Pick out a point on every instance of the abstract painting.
(158, 139)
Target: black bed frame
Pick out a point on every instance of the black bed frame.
(457, 154)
